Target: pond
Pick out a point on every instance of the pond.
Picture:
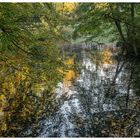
(102, 101)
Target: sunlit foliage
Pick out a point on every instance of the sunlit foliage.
(29, 62)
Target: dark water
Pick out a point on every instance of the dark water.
(102, 101)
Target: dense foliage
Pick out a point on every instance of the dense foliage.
(114, 21)
(29, 63)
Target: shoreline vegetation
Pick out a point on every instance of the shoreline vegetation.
(45, 47)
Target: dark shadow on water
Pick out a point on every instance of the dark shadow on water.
(103, 102)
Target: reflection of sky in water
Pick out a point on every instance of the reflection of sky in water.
(87, 96)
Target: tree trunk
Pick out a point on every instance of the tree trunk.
(133, 28)
(118, 26)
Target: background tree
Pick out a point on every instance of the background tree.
(113, 21)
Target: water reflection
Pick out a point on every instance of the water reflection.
(105, 86)
(69, 74)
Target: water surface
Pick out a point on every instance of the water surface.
(103, 92)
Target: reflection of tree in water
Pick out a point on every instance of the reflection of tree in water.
(110, 90)
(101, 102)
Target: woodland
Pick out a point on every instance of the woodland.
(43, 44)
